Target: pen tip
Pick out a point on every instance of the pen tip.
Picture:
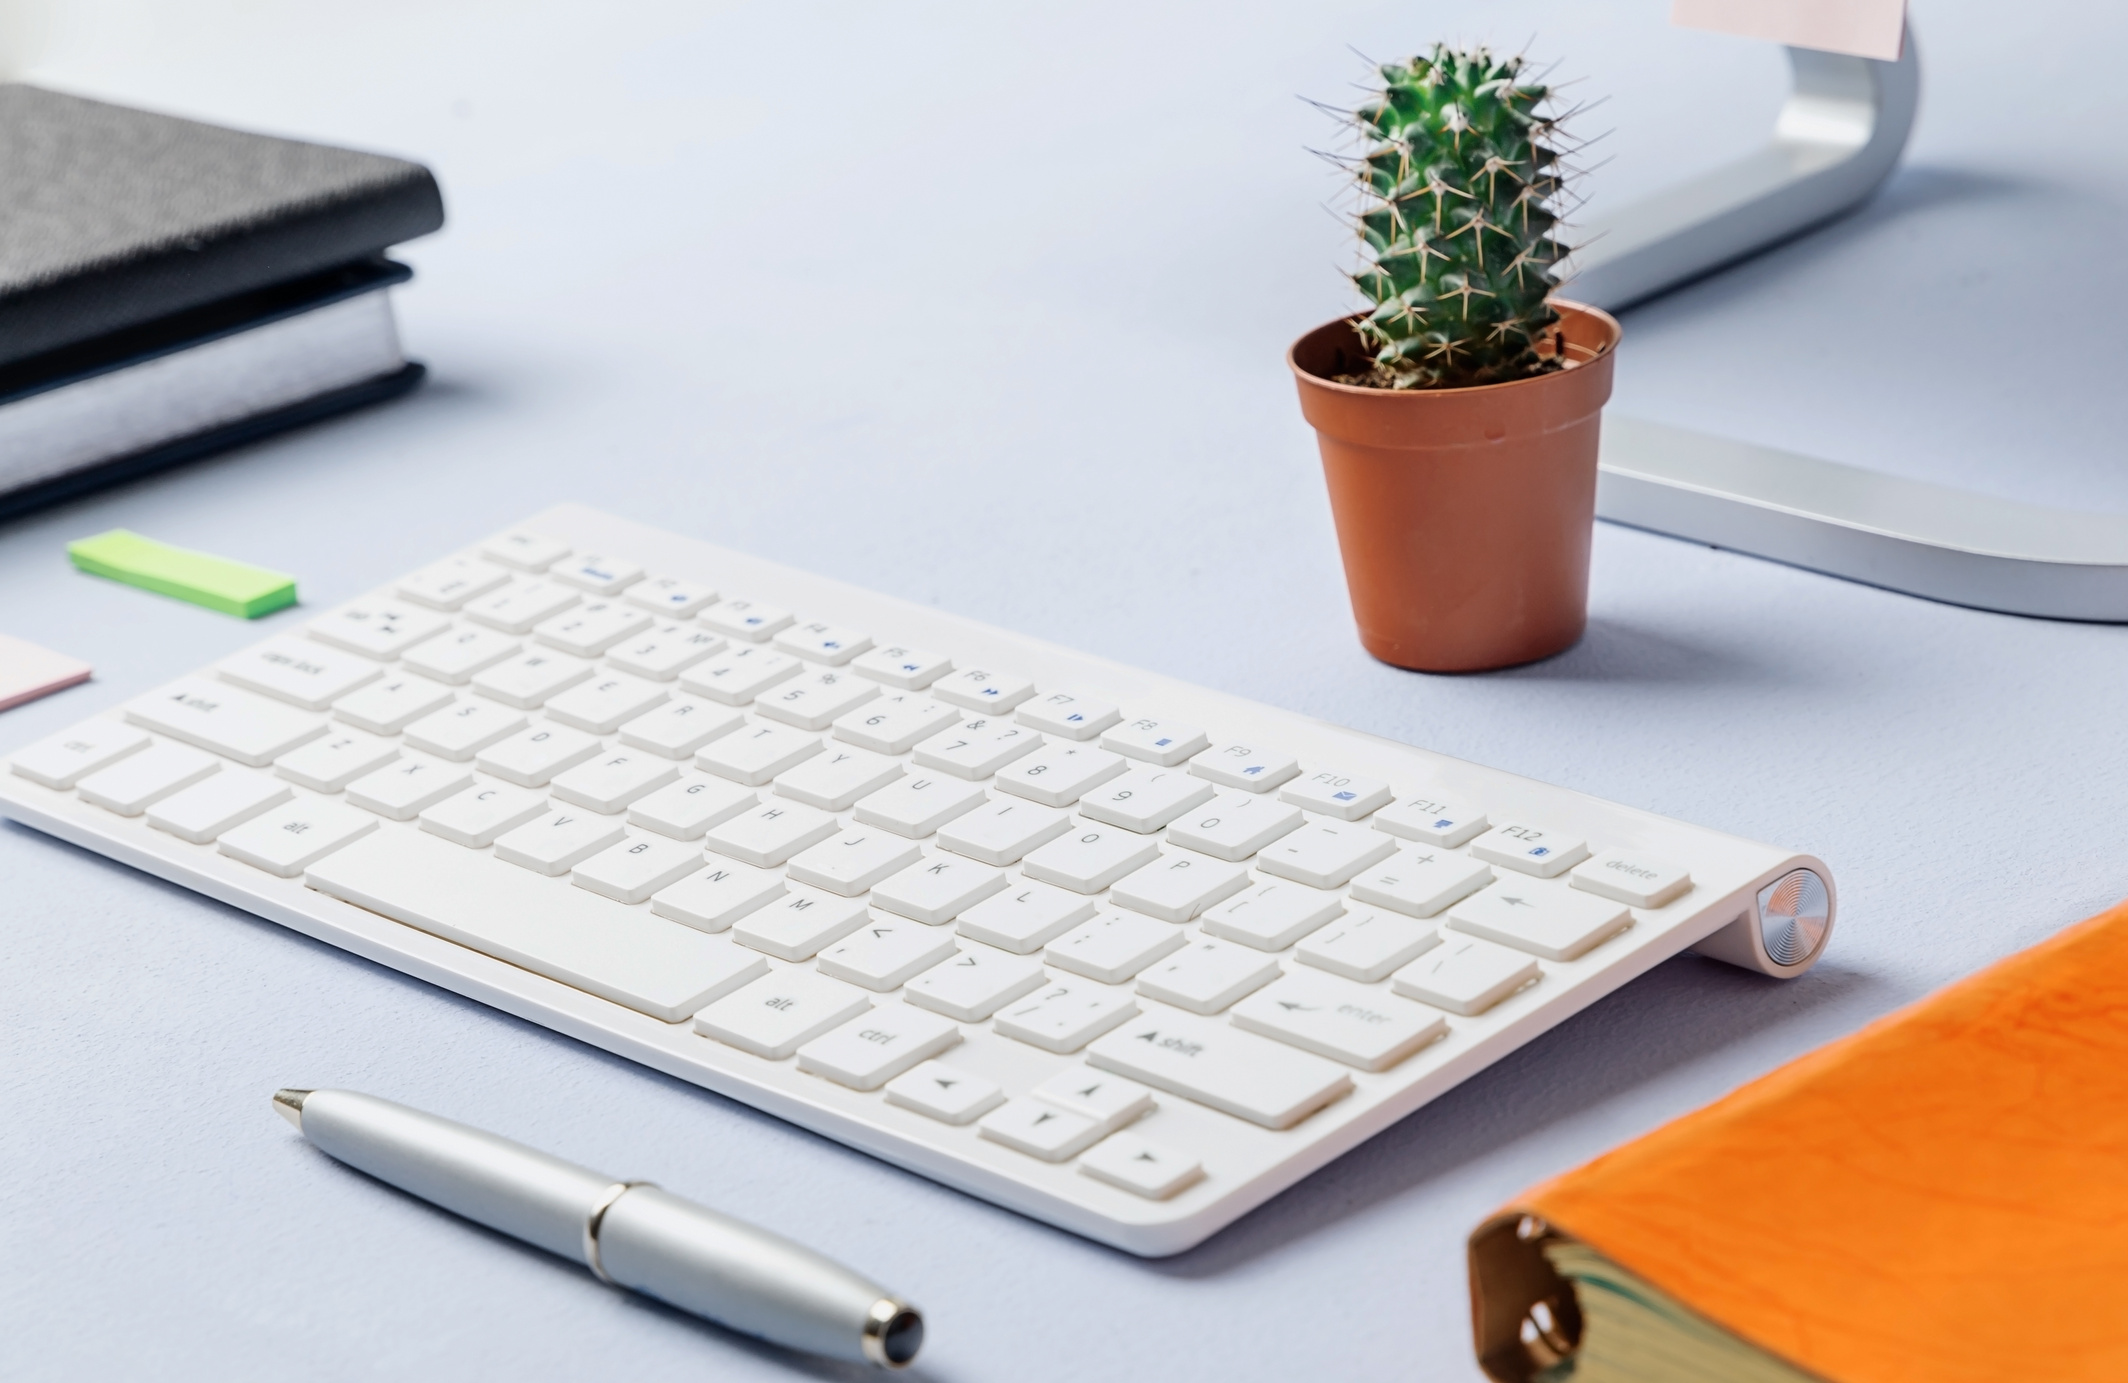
(289, 1104)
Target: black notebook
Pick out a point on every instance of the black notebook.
(168, 287)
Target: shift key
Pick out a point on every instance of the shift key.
(1207, 1061)
(217, 716)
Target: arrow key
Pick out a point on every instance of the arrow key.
(946, 1093)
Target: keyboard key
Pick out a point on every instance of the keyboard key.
(978, 748)
(299, 672)
(1145, 799)
(738, 676)
(389, 706)
(753, 754)
(591, 628)
(531, 758)
(633, 870)
(1039, 1130)
(823, 643)
(1025, 918)
(609, 782)
(797, 925)
(62, 760)
(1058, 774)
(525, 550)
(233, 723)
(452, 582)
(1114, 946)
(1628, 876)
(1091, 858)
(1325, 855)
(893, 724)
(868, 1051)
(1335, 794)
(1108, 1100)
(330, 762)
(745, 619)
(980, 689)
(1162, 742)
(515, 609)
(1431, 821)
(461, 731)
(1557, 925)
(915, 807)
(721, 894)
(380, 629)
(665, 651)
(288, 840)
(406, 787)
(1068, 716)
(670, 596)
(597, 573)
(1420, 883)
(456, 654)
(945, 1093)
(937, 889)
(1001, 832)
(812, 702)
(1235, 825)
(1137, 1164)
(217, 803)
(476, 817)
(558, 842)
(528, 679)
(1353, 1023)
(602, 704)
(1368, 945)
(1179, 885)
(1273, 916)
(1207, 976)
(1530, 850)
(770, 834)
(911, 669)
(690, 805)
(887, 952)
(782, 1011)
(1202, 1059)
(679, 727)
(1064, 1017)
(1465, 976)
(138, 781)
(835, 778)
(976, 983)
(1243, 766)
(850, 862)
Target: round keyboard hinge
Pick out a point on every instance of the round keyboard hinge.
(1795, 911)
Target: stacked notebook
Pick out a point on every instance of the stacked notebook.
(1941, 1197)
(169, 288)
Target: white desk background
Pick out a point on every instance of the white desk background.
(985, 305)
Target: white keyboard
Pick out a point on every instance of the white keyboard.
(1117, 952)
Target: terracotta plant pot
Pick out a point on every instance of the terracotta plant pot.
(1464, 515)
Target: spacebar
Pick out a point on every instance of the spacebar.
(626, 954)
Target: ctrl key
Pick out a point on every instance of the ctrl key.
(289, 840)
(780, 1012)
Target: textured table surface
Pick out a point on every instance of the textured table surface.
(984, 305)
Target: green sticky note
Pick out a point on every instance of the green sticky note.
(234, 588)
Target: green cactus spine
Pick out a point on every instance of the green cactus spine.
(1459, 186)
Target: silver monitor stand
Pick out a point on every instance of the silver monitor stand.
(1835, 141)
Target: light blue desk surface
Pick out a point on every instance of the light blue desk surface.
(985, 305)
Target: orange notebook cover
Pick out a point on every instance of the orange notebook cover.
(1942, 1196)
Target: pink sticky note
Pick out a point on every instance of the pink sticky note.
(28, 672)
(1865, 28)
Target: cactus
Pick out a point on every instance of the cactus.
(1460, 191)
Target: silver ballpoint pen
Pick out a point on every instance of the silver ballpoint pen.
(629, 1233)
